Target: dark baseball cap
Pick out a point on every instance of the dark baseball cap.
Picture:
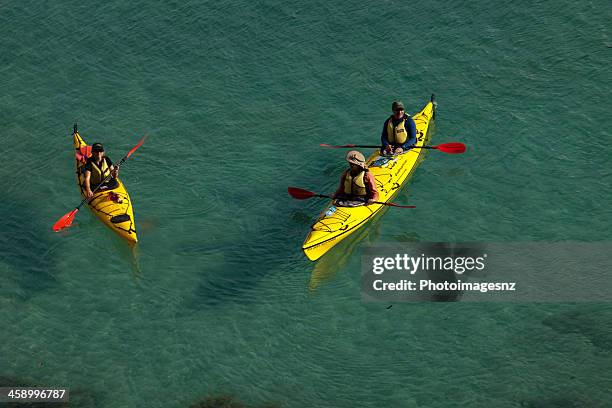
(97, 147)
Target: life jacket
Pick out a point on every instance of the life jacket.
(397, 135)
(83, 153)
(98, 174)
(355, 186)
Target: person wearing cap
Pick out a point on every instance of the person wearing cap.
(357, 184)
(97, 168)
(399, 131)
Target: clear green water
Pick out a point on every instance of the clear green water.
(218, 297)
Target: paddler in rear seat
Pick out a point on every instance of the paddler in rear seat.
(357, 184)
(399, 131)
(97, 168)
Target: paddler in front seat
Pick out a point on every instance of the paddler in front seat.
(97, 168)
(399, 131)
(357, 184)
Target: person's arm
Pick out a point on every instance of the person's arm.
(384, 140)
(370, 183)
(340, 191)
(87, 184)
(411, 129)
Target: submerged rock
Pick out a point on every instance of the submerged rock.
(226, 401)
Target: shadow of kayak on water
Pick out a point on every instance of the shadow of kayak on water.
(26, 258)
(232, 263)
(237, 276)
(326, 268)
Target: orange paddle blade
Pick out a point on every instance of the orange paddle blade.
(136, 147)
(65, 221)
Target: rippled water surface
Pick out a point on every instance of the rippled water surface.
(236, 96)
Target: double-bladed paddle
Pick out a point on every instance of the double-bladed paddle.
(450, 148)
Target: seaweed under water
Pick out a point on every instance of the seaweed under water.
(227, 401)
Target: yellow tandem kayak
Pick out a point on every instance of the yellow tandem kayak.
(336, 223)
(117, 216)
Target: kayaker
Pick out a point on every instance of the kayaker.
(399, 131)
(97, 168)
(357, 184)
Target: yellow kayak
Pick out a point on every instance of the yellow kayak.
(118, 216)
(336, 223)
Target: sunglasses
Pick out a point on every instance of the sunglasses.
(399, 110)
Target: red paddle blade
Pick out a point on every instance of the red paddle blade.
(136, 147)
(452, 148)
(300, 193)
(65, 221)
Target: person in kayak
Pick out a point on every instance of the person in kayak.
(399, 131)
(357, 184)
(97, 168)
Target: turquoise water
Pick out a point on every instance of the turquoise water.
(217, 298)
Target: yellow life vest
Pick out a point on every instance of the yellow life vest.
(355, 186)
(397, 135)
(98, 174)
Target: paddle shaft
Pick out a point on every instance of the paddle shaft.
(379, 147)
(365, 201)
